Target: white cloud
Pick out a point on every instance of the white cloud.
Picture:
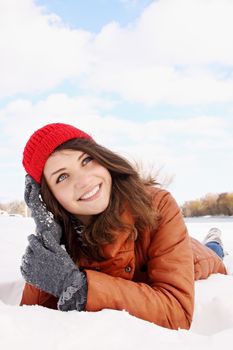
(177, 52)
(187, 31)
(181, 147)
(84, 111)
(20, 117)
(37, 50)
(160, 84)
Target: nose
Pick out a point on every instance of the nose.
(81, 179)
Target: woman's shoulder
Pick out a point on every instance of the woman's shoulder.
(159, 194)
(163, 201)
(157, 190)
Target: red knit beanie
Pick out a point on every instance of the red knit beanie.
(43, 142)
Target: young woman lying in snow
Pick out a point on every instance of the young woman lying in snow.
(126, 243)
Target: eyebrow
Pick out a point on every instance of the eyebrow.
(63, 169)
(57, 171)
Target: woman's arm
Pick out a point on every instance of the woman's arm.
(34, 296)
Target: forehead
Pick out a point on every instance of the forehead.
(65, 153)
(58, 158)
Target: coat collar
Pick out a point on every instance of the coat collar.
(123, 238)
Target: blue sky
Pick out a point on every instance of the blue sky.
(153, 80)
(93, 14)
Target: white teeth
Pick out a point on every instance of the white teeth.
(90, 194)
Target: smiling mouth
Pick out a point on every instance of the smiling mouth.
(92, 194)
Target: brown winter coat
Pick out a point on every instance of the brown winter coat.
(152, 278)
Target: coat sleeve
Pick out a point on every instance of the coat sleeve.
(168, 298)
(206, 261)
(34, 296)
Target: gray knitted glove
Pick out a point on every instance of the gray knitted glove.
(48, 266)
(43, 218)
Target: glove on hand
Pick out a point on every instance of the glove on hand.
(49, 267)
(43, 218)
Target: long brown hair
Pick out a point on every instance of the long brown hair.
(128, 190)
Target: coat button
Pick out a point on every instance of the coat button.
(128, 269)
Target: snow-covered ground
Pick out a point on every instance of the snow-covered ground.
(34, 327)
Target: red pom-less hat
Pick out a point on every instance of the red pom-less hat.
(43, 142)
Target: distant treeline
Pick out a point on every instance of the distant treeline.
(211, 204)
(14, 207)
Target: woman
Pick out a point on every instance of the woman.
(126, 244)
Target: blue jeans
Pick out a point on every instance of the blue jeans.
(215, 246)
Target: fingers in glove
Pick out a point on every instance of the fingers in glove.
(31, 183)
(36, 245)
(28, 254)
(27, 275)
(24, 273)
(28, 188)
(50, 242)
(32, 190)
(27, 261)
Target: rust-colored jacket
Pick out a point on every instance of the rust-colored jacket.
(152, 278)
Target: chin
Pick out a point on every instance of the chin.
(100, 210)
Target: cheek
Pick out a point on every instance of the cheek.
(68, 205)
(108, 181)
(63, 199)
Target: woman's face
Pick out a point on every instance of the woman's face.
(80, 184)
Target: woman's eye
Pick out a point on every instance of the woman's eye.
(61, 178)
(87, 160)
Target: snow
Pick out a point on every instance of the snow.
(36, 327)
